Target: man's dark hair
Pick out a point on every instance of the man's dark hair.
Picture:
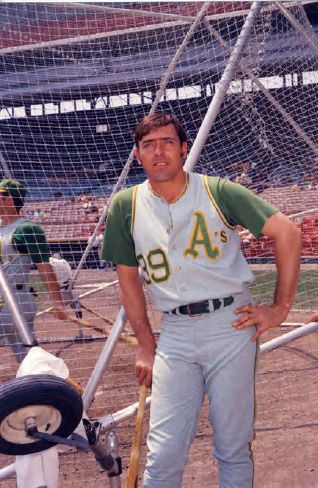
(16, 190)
(155, 121)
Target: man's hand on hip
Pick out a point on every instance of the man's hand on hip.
(263, 317)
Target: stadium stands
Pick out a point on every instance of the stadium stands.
(67, 220)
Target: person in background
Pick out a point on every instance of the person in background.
(23, 244)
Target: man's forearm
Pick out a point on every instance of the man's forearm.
(136, 310)
(134, 302)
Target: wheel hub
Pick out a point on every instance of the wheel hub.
(45, 417)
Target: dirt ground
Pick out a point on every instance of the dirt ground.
(285, 448)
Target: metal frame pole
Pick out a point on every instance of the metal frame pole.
(224, 83)
(104, 359)
(8, 472)
(111, 420)
(310, 39)
(17, 315)
(290, 216)
(127, 11)
(83, 295)
(287, 117)
(289, 336)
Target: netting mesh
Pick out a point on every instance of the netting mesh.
(74, 80)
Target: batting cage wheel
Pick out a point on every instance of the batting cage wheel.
(46, 402)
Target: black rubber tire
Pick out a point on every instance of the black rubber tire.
(39, 390)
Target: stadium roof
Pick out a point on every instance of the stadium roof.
(26, 24)
(37, 42)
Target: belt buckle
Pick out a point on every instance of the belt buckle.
(190, 313)
(206, 303)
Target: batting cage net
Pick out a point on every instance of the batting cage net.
(75, 78)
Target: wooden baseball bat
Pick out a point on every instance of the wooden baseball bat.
(132, 476)
(75, 385)
(100, 316)
(106, 320)
(82, 322)
(104, 330)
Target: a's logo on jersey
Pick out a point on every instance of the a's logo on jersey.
(201, 238)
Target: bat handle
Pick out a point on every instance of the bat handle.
(132, 476)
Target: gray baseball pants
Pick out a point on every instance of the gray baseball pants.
(8, 332)
(197, 356)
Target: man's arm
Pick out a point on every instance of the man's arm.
(48, 277)
(134, 302)
(287, 245)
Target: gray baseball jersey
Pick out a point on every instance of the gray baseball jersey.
(17, 256)
(16, 266)
(188, 250)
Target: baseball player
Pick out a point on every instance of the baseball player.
(23, 244)
(180, 229)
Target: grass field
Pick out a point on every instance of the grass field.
(307, 290)
(306, 298)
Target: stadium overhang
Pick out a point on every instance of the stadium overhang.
(49, 69)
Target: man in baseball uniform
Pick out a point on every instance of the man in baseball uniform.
(23, 244)
(180, 229)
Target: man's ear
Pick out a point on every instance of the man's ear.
(136, 154)
(184, 150)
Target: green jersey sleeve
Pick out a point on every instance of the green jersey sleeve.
(29, 238)
(239, 205)
(118, 244)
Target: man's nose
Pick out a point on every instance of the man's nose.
(159, 148)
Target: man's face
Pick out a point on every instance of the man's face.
(161, 154)
(6, 204)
